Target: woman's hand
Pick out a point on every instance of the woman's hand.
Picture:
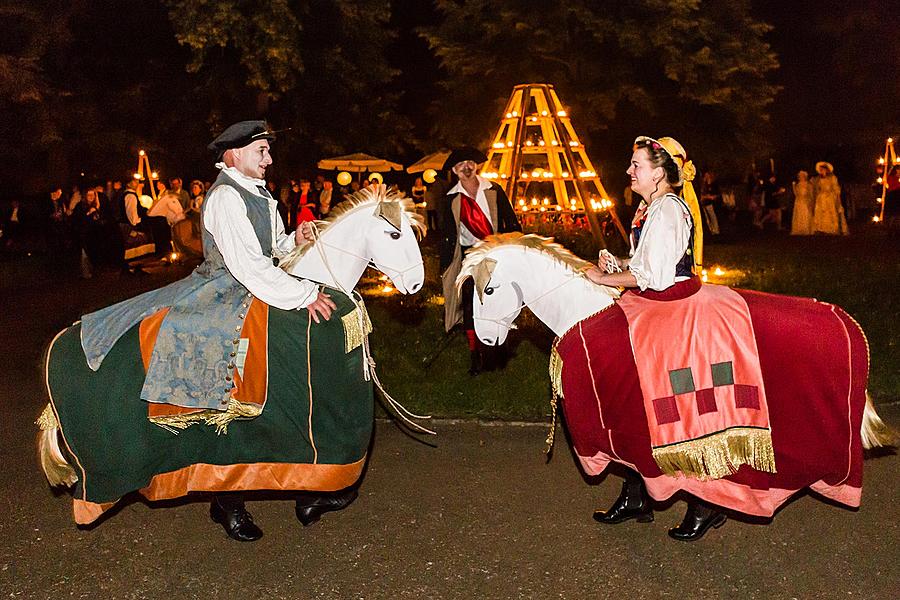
(608, 263)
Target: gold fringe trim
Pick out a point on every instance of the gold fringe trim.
(354, 333)
(218, 418)
(718, 455)
(556, 367)
(47, 420)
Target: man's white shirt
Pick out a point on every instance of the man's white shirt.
(225, 218)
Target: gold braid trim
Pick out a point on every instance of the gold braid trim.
(718, 455)
(556, 367)
(353, 328)
(218, 418)
(47, 420)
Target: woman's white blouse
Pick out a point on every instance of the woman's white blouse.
(664, 240)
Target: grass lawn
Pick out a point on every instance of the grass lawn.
(427, 372)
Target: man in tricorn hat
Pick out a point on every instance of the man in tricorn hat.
(202, 327)
(473, 209)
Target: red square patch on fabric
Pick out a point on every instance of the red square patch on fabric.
(666, 410)
(706, 401)
(746, 396)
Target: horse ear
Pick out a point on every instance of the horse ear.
(391, 212)
(482, 276)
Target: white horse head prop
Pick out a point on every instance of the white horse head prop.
(377, 226)
(513, 270)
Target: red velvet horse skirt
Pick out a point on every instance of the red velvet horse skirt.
(814, 360)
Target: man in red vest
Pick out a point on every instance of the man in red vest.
(472, 209)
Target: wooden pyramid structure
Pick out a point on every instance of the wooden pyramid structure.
(538, 159)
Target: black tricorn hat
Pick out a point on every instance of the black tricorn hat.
(242, 133)
(464, 153)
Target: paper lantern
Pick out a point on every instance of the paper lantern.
(429, 175)
(376, 177)
(146, 201)
(344, 178)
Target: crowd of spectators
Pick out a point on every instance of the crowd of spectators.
(122, 226)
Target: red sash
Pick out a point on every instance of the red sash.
(471, 215)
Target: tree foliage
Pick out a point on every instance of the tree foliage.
(645, 66)
(316, 66)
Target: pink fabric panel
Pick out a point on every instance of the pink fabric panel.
(711, 326)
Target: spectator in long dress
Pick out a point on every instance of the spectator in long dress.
(710, 196)
(828, 216)
(804, 205)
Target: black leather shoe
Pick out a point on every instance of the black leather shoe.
(237, 522)
(632, 503)
(311, 506)
(697, 521)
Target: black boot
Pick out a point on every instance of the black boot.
(633, 503)
(697, 521)
(476, 363)
(230, 513)
(311, 506)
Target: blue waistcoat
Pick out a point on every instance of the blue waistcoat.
(194, 355)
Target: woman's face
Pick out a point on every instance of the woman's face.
(644, 176)
(196, 189)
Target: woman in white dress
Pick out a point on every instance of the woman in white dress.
(804, 205)
(828, 216)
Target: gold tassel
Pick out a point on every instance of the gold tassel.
(556, 366)
(219, 419)
(235, 410)
(353, 329)
(47, 420)
(718, 455)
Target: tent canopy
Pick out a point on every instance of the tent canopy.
(434, 161)
(358, 163)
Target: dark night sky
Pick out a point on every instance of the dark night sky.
(840, 72)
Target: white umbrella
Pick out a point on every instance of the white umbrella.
(434, 161)
(359, 163)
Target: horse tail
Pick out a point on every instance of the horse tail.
(874, 431)
(54, 464)
(56, 468)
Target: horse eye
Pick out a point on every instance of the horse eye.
(395, 235)
(489, 291)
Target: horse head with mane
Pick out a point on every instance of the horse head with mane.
(513, 270)
(374, 226)
(608, 350)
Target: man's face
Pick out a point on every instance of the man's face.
(176, 184)
(56, 194)
(252, 160)
(465, 169)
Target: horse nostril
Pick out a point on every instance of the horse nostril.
(415, 287)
